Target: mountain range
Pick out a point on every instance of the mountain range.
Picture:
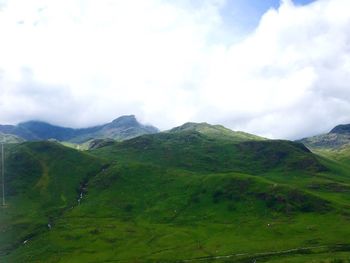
(127, 127)
(194, 193)
(122, 128)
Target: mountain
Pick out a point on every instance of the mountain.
(212, 148)
(337, 138)
(17, 131)
(196, 193)
(45, 131)
(215, 131)
(341, 129)
(122, 128)
(334, 145)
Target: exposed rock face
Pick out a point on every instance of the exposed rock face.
(338, 137)
(98, 143)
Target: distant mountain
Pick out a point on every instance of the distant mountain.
(18, 131)
(217, 131)
(338, 137)
(44, 131)
(122, 128)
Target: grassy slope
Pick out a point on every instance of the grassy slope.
(186, 218)
(199, 152)
(42, 180)
(188, 194)
(215, 131)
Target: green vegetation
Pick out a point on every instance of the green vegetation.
(195, 151)
(197, 193)
(42, 181)
(215, 131)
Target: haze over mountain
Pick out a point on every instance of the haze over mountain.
(122, 128)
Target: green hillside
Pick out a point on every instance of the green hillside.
(42, 180)
(215, 131)
(192, 194)
(196, 151)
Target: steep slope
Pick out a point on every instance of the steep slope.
(337, 138)
(334, 145)
(122, 128)
(44, 131)
(18, 131)
(42, 180)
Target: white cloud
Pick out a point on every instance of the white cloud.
(291, 76)
(81, 63)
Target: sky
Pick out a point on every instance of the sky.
(275, 69)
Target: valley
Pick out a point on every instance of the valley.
(196, 193)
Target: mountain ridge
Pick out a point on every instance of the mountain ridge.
(336, 138)
(124, 127)
(215, 131)
(341, 129)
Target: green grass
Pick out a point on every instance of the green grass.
(142, 216)
(195, 151)
(216, 131)
(176, 196)
(42, 180)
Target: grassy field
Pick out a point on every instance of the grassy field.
(181, 196)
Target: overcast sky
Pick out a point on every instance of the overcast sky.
(280, 70)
